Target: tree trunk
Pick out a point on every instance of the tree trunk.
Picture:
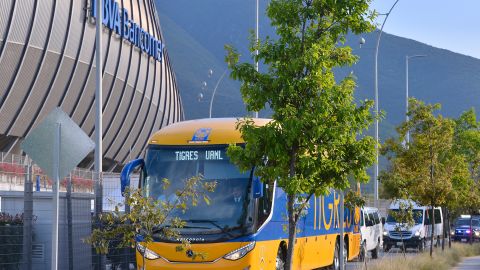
(143, 257)
(471, 231)
(432, 181)
(432, 222)
(448, 225)
(292, 224)
(292, 218)
(444, 229)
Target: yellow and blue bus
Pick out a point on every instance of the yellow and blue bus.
(243, 227)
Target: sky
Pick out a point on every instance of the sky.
(448, 24)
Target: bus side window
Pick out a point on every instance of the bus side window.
(265, 204)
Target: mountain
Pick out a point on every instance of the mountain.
(196, 32)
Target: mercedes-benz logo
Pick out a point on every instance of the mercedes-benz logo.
(189, 253)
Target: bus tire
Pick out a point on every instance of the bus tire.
(336, 257)
(363, 252)
(345, 252)
(280, 260)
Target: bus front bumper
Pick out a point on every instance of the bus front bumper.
(159, 264)
(260, 256)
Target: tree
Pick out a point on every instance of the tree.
(315, 140)
(467, 143)
(404, 219)
(427, 168)
(148, 219)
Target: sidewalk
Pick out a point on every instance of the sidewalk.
(469, 263)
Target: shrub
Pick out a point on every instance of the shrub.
(11, 239)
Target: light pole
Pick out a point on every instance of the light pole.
(98, 118)
(408, 57)
(256, 40)
(214, 91)
(375, 171)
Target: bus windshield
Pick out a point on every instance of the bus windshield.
(229, 203)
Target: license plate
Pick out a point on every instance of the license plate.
(463, 240)
(400, 244)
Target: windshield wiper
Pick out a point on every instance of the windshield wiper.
(213, 222)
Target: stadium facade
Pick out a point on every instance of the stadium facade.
(47, 59)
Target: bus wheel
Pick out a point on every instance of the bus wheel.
(363, 252)
(336, 257)
(280, 261)
(345, 253)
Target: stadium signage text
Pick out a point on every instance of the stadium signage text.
(117, 19)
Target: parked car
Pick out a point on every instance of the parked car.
(416, 236)
(463, 229)
(371, 229)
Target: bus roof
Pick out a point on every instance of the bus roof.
(201, 131)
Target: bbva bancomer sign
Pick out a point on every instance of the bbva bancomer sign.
(118, 20)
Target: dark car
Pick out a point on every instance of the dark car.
(462, 230)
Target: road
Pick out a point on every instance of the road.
(470, 263)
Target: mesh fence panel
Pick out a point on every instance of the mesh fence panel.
(26, 218)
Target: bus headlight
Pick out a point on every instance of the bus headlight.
(148, 253)
(239, 253)
(417, 233)
(385, 233)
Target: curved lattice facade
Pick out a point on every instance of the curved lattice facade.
(47, 59)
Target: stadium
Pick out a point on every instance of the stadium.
(47, 60)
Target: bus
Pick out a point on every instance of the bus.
(244, 226)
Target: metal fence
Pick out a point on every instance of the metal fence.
(26, 218)
(26, 215)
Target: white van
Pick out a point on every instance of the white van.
(371, 229)
(395, 235)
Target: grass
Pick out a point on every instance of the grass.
(422, 261)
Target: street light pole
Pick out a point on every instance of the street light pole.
(256, 40)
(375, 172)
(407, 57)
(98, 118)
(214, 91)
(98, 106)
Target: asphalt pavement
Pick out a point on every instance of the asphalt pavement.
(469, 263)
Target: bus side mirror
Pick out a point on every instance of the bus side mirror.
(383, 220)
(127, 170)
(257, 188)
